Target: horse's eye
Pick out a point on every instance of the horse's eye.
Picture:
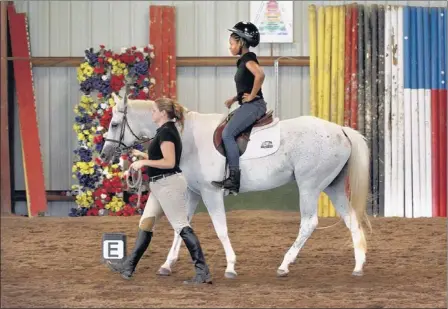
(114, 125)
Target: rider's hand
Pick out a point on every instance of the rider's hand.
(228, 103)
(247, 97)
(136, 165)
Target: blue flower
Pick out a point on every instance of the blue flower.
(141, 68)
(91, 57)
(87, 86)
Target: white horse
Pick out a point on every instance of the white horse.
(318, 155)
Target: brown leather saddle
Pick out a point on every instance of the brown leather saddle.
(243, 138)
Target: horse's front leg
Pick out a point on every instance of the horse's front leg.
(214, 201)
(173, 255)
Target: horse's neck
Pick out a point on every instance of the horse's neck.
(195, 125)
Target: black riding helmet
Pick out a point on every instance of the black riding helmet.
(248, 31)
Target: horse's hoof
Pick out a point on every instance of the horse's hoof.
(357, 273)
(282, 273)
(163, 272)
(230, 275)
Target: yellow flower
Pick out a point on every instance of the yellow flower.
(80, 136)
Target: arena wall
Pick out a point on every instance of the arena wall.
(67, 28)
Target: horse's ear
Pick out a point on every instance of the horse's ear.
(118, 101)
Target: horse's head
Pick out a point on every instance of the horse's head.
(131, 122)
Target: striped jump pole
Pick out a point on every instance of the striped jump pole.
(358, 27)
(374, 104)
(381, 48)
(388, 203)
(415, 118)
(435, 113)
(347, 62)
(320, 81)
(427, 110)
(421, 112)
(341, 69)
(400, 114)
(313, 58)
(442, 111)
(327, 85)
(407, 113)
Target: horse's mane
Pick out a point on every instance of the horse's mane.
(143, 104)
(138, 104)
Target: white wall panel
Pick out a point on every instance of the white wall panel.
(67, 28)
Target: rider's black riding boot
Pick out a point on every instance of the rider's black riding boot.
(194, 247)
(127, 268)
(232, 183)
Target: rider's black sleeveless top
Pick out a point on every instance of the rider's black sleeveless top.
(166, 132)
(244, 78)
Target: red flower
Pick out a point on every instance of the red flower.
(106, 118)
(92, 212)
(139, 55)
(117, 82)
(97, 193)
(102, 46)
(141, 79)
(99, 70)
(142, 95)
(108, 54)
(101, 60)
(127, 58)
(99, 204)
(98, 139)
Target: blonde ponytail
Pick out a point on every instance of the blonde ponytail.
(179, 113)
(172, 108)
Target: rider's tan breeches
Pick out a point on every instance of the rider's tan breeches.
(168, 196)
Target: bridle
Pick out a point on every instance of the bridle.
(121, 146)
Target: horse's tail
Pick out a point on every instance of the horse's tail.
(359, 175)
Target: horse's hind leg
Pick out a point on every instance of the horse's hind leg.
(336, 192)
(308, 223)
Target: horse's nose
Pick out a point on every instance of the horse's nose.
(103, 156)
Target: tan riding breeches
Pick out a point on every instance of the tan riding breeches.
(168, 196)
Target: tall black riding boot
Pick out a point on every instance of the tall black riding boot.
(127, 268)
(194, 247)
(232, 183)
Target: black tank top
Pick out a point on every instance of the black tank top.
(167, 132)
(244, 78)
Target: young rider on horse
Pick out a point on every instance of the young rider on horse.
(248, 78)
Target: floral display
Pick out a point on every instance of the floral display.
(101, 189)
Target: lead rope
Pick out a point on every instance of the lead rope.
(137, 181)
